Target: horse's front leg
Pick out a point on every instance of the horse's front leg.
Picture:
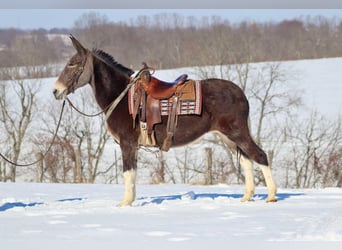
(129, 157)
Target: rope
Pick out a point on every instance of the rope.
(118, 99)
(46, 152)
(82, 113)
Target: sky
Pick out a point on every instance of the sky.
(65, 18)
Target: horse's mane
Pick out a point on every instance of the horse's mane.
(111, 61)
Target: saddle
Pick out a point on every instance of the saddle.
(159, 89)
(148, 93)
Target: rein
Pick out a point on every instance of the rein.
(82, 113)
(109, 109)
(47, 151)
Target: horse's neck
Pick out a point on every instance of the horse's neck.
(108, 85)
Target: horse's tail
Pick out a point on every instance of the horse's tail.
(253, 152)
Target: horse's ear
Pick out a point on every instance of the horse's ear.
(77, 45)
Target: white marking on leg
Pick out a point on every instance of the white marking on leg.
(249, 179)
(129, 195)
(271, 185)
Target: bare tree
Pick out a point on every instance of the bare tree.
(17, 104)
(330, 168)
(80, 146)
(314, 144)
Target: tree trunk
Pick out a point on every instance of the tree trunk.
(209, 163)
(40, 164)
(78, 167)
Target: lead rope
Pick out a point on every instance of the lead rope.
(46, 152)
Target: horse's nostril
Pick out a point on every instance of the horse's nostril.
(58, 94)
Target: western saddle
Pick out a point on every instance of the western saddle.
(148, 91)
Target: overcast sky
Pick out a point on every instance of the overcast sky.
(179, 4)
(65, 18)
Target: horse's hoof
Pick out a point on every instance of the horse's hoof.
(273, 199)
(124, 204)
(246, 198)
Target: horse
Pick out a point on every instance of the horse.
(225, 111)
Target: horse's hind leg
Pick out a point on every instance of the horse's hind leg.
(251, 152)
(247, 166)
(245, 163)
(271, 186)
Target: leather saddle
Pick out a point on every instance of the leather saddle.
(160, 89)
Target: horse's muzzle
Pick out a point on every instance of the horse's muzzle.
(60, 91)
(59, 94)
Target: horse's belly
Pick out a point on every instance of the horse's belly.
(188, 129)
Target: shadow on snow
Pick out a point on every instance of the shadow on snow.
(193, 196)
(10, 205)
(159, 199)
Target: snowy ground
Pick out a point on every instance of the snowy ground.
(70, 216)
(60, 216)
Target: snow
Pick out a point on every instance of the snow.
(65, 216)
(70, 216)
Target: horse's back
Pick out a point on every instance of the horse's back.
(223, 97)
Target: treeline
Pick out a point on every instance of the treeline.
(172, 40)
(31, 48)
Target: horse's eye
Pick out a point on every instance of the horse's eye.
(72, 65)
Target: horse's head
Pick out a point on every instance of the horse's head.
(77, 72)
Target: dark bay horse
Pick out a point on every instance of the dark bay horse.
(225, 111)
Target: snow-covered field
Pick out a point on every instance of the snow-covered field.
(61, 216)
(66, 216)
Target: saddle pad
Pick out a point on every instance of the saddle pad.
(187, 90)
(191, 106)
(186, 106)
